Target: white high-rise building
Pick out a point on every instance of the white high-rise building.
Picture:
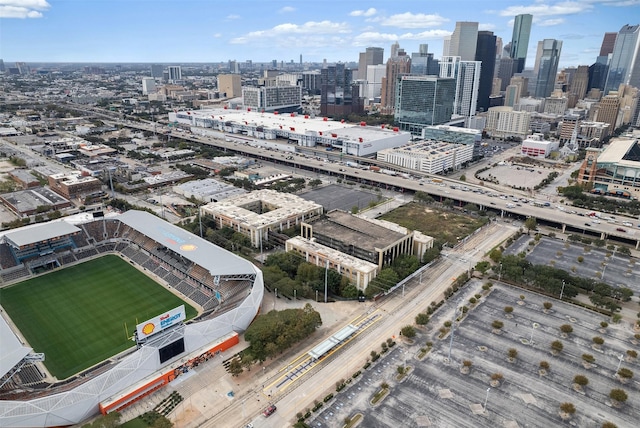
(446, 46)
(373, 87)
(467, 75)
(148, 85)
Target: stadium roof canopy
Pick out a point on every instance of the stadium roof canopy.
(12, 349)
(39, 233)
(211, 257)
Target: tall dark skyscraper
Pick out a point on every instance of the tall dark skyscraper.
(338, 95)
(520, 40)
(486, 53)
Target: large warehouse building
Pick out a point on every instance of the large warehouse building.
(303, 130)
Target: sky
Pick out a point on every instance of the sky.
(211, 31)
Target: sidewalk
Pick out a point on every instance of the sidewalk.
(206, 389)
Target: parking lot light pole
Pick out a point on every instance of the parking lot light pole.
(562, 290)
(453, 329)
(484, 408)
(620, 358)
(533, 327)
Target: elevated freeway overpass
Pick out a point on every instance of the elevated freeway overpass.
(566, 218)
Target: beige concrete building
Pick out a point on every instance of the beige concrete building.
(359, 272)
(230, 84)
(257, 213)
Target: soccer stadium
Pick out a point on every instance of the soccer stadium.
(100, 312)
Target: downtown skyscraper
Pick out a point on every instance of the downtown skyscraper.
(546, 67)
(486, 54)
(624, 67)
(520, 40)
(467, 77)
(371, 56)
(463, 41)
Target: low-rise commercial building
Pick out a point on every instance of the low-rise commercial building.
(536, 146)
(257, 213)
(432, 157)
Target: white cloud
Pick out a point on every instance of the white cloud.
(540, 9)
(486, 27)
(23, 8)
(289, 29)
(621, 3)
(412, 20)
(232, 17)
(287, 9)
(217, 35)
(372, 37)
(369, 12)
(551, 22)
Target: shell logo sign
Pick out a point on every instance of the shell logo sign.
(157, 324)
(148, 328)
(188, 247)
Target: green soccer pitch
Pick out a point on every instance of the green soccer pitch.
(77, 315)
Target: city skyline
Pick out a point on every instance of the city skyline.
(145, 31)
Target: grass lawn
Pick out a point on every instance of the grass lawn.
(443, 225)
(77, 315)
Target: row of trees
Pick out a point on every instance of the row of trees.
(276, 331)
(551, 280)
(599, 203)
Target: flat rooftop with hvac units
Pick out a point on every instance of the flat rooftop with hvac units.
(349, 138)
(355, 246)
(260, 212)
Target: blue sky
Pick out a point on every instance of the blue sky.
(262, 30)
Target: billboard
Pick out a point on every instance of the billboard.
(161, 322)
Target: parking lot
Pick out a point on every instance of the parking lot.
(516, 175)
(617, 270)
(341, 197)
(436, 392)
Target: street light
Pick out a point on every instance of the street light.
(562, 290)
(484, 408)
(274, 299)
(620, 358)
(453, 329)
(533, 327)
(500, 273)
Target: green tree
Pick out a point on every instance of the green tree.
(235, 367)
(568, 408)
(580, 380)
(557, 346)
(618, 395)
(422, 319)
(531, 223)
(408, 331)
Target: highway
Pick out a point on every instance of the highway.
(323, 162)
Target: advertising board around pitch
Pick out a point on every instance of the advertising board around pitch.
(161, 322)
